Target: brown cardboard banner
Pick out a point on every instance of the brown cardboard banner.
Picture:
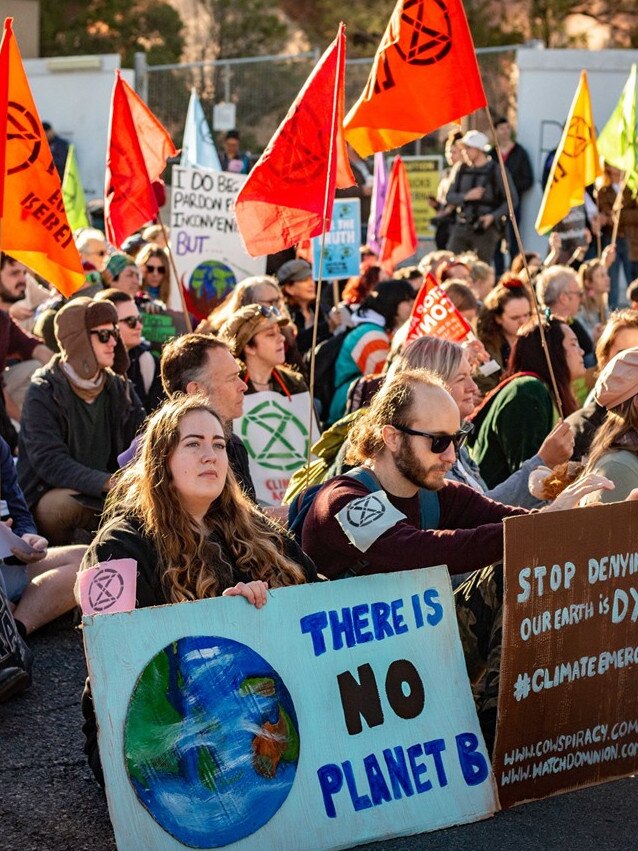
(568, 700)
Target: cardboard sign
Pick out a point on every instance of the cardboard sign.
(207, 247)
(341, 246)
(424, 174)
(338, 714)
(434, 314)
(568, 699)
(274, 429)
(158, 328)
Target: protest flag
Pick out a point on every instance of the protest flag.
(198, 148)
(377, 203)
(617, 143)
(137, 151)
(397, 232)
(288, 195)
(434, 314)
(576, 164)
(33, 224)
(424, 75)
(73, 193)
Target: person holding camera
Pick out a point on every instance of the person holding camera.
(478, 194)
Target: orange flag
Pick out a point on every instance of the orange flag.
(397, 231)
(424, 75)
(136, 155)
(34, 226)
(434, 314)
(288, 195)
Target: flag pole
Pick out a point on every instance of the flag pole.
(326, 202)
(521, 250)
(617, 208)
(187, 317)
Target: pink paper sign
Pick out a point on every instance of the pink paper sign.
(109, 587)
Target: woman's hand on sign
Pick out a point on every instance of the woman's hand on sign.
(256, 592)
(582, 487)
(633, 495)
(558, 446)
(475, 351)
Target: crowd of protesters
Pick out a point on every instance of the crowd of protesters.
(109, 449)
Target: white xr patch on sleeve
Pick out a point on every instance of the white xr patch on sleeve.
(366, 518)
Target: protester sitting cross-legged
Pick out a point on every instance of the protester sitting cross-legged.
(178, 511)
(515, 417)
(407, 441)
(79, 414)
(254, 334)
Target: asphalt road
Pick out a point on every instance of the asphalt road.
(49, 801)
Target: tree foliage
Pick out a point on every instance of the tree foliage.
(244, 28)
(112, 26)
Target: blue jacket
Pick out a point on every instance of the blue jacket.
(11, 493)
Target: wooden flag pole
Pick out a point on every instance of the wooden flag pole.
(187, 318)
(519, 245)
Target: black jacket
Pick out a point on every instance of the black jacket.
(493, 201)
(44, 460)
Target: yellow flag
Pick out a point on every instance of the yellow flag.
(576, 164)
(73, 193)
(34, 226)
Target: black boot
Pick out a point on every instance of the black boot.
(16, 659)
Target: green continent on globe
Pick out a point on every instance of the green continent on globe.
(264, 686)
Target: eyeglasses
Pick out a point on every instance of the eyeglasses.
(269, 312)
(104, 334)
(159, 269)
(131, 321)
(440, 442)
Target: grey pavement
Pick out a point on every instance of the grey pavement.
(50, 802)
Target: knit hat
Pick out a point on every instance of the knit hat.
(294, 270)
(116, 263)
(72, 325)
(242, 326)
(619, 380)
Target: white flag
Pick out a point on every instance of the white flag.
(198, 148)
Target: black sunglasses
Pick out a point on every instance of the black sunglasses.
(104, 334)
(160, 269)
(440, 442)
(131, 321)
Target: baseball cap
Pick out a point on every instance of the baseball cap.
(475, 139)
(294, 270)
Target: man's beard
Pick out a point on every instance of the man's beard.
(10, 297)
(415, 472)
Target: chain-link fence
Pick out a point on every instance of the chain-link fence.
(262, 89)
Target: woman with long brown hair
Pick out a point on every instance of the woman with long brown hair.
(152, 261)
(506, 308)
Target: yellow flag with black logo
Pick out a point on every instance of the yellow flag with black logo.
(73, 193)
(33, 224)
(576, 164)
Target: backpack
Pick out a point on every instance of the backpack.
(326, 354)
(300, 506)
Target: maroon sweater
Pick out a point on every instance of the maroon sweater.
(469, 537)
(14, 342)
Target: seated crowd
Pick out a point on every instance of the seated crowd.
(109, 449)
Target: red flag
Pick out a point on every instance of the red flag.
(424, 75)
(35, 229)
(434, 314)
(288, 195)
(137, 151)
(397, 232)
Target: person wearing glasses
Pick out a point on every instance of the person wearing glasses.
(152, 262)
(79, 413)
(255, 338)
(559, 289)
(144, 367)
(416, 518)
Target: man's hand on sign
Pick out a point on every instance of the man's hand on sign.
(573, 494)
(558, 446)
(255, 592)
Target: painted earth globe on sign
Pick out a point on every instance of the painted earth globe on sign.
(211, 740)
(209, 284)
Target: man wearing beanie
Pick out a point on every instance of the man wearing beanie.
(79, 414)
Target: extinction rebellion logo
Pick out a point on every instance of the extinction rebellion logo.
(274, 437)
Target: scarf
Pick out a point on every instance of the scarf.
(88, 389)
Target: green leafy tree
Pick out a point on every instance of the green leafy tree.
(112, 26)
(243, 28)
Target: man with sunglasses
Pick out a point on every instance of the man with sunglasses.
(417, 518)
(80, 412)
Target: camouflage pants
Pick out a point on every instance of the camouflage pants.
(479, 613)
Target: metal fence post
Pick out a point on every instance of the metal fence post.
(141, 75)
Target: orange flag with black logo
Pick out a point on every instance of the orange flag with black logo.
(424, 75)
(292, 186)
(33, 225)
(397, 232)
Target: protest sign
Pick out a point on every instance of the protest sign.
(158, 328)
(207, 248)
(424, 174)
(338, 714)
(274, 429)
(108, 587)
(568, 701)
(434, 314)
(341, 247)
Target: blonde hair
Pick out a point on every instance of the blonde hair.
(618, 422)
(192, 563)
